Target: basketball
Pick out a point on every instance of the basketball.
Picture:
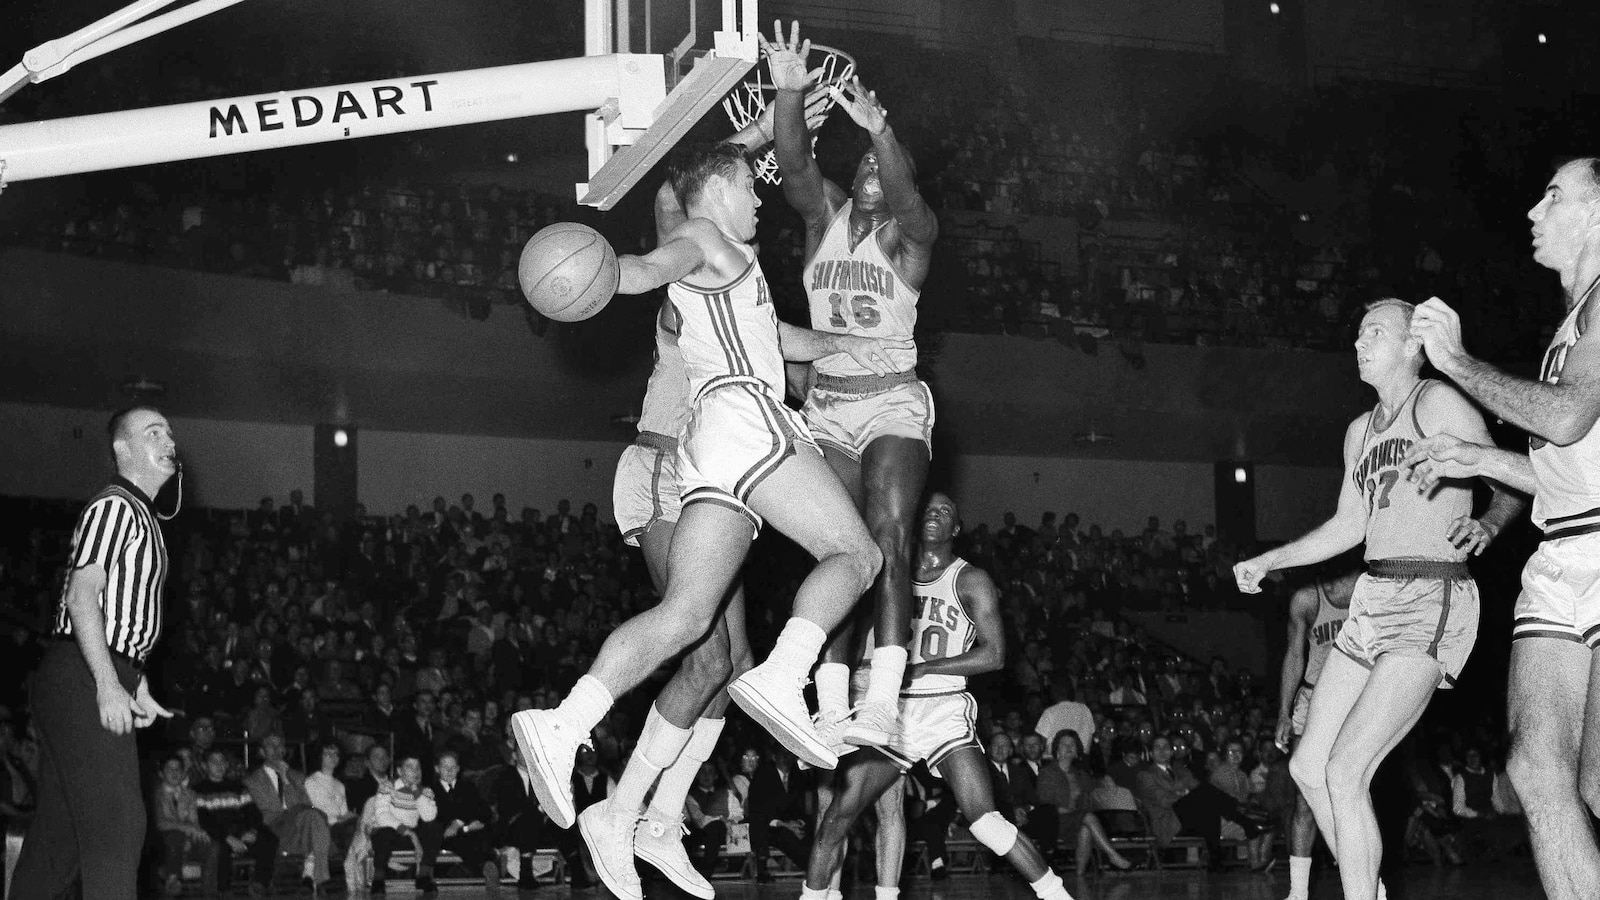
(568, 272)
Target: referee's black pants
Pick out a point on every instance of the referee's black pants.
(90, 822)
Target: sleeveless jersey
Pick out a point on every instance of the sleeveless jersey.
(859, 292)
(1324, 630)
(940, 627)
(730, 333)
(1568, 478)
(1402, 522)
(666, 398)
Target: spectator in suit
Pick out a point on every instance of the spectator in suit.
(374, 774)
(1129, 761)
(1001, 750)
(295, 517)
(381, 716)
(779, 812)
(397, 814)
(1025, 771)
(202, 737)
(1173, 800)
(229, 815)
(1068, 789)
(177, 816)
(279, 792)
(473, 751)
(518, 820)
(415, 734)
(462, 823)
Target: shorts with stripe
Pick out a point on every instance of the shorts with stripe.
(932, 726)
(1412, 616)
(738, 434)
(1302, 708)
(645, 490)
(851, 418)
(1561, 592)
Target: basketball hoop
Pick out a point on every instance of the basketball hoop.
(749, 100)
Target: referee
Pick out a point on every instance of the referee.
(90, 691)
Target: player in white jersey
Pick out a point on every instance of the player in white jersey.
(742, 457)
(1413, 614)
(867, 255)
(956, 632)
(1317, 611)
(647, 501)
(1555, 720)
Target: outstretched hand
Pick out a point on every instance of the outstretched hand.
(1442, 456)
(786, 59)
(862, 105)
(872, 353)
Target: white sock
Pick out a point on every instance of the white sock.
(833, 687)
(811, 893)
(888, 670)
(660, 744)
(310, 866)
(886, 893)
(797, 648)
(673, 788)
(1050, 887)
(587, 704)
(835, 894)
(1299, 877)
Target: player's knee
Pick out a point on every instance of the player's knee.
(893, 537)
(674, 632)
(1309, 774)
(1345, 776)
(1534, 771)
(834, 829)
(995, 832)
(709, 667)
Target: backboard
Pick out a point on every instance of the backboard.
(705, 48)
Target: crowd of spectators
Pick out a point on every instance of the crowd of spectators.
(320, 662)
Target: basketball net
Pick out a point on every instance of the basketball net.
(749, 100)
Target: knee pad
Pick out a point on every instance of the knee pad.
(993, 831)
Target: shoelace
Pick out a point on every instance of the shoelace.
(820, 719)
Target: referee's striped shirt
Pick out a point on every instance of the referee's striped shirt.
(119, 531)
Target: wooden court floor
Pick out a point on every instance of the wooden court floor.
(1515, 880)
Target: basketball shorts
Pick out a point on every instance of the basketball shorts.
(850, 413)
(645, 490)
(932, 726)
(738, 434)
(1302, 709)
(1561, 592)
(1413, 616)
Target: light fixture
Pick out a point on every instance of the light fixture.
(341, 438)
(1240, 475)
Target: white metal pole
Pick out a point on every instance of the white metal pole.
(315, 115)
(135, 33)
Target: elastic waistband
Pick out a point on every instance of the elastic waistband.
(722, 381)
(1416, 568)
(656, 441)
(116, 655)
(1574, 531)
(862, 384)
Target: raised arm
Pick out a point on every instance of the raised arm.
(896, 173)
(804, 345)
(1347, 527)
(803, 184)
(988, 653)
(1560, 412)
